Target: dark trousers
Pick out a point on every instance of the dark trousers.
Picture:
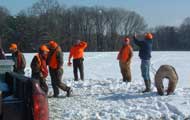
(56, 76)
(78, 65)
(41, 81)
(44, 85)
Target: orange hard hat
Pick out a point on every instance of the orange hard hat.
(149, 36)
(53, 44)
(13, 46)
(44, 48)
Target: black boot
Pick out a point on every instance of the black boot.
(69, 91)
(124, 80)
(147, 84)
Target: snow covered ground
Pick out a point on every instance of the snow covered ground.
(103, 96)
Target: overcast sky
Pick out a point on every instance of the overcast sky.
(155, 12)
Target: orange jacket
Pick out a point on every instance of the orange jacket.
(56, 58)
(125, 53)
(77, 51)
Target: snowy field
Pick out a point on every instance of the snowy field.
(103, 96)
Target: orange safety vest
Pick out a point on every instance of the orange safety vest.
(43, 66)
(53, 63)
(125, 53)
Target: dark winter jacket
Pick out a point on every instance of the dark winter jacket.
(20, 62)
(145, 48)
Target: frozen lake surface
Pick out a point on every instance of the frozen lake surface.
(103, 95)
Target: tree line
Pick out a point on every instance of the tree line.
(103, 28)
(170, 38)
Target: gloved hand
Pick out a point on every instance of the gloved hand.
(69, 63)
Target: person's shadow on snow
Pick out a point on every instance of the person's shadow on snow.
(128, 96)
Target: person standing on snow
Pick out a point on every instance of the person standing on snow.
(125, 55)
(39, 67)
(145, 56)
(18, 58)
(55, 62)
(77, 52)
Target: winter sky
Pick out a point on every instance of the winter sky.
(155, 12)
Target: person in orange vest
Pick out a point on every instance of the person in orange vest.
(77, 52)
(39, 67)
(125, 55)
(18, 58)
(55, 62)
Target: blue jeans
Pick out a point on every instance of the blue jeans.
(145, 69)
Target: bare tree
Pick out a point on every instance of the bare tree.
(133, 23)
(4, 15)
